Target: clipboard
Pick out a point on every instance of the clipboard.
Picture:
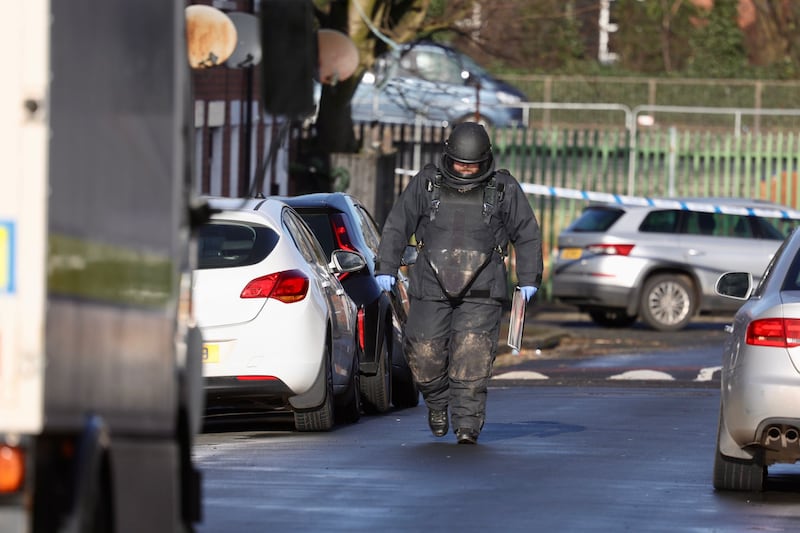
(517, 321)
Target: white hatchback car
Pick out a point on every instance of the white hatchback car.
(280, 333)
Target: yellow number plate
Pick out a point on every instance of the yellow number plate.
(210, 353)
(571, 253)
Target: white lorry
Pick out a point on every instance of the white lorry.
(100, 365)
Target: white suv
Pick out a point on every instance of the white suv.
(660, 262)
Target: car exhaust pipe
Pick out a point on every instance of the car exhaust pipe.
(784, 435)
(774, 434)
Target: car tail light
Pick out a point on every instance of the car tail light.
(256, 378)
(778, 332)
(288, 286)
(343, 242)
(610, 249)
(12, 469)
(361, 328)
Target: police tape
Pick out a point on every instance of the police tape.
(667, 203)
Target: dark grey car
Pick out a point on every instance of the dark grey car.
(660, 262)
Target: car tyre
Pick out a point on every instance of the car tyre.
(738, 474)
(612, 318)
(321, 418)
(668, 302)
(348, 409)
(377, 389)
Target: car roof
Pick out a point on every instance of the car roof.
(338, 200)
(664, 202)
(239, 207)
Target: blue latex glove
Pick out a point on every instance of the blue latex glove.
(385, 282)
(528, 292)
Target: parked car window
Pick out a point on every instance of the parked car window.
(305, 240)
(596, 219)
(369, 229)
(431, 66)
(223, 245)
(321, 226)
(698, 223)
(665, 221)
(775, 228)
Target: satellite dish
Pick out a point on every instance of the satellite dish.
(248, 46)
(338, 56)
(210, 36)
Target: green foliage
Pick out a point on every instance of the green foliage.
(717, 47)
(652, 37)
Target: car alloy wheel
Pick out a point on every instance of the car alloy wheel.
(668, 302)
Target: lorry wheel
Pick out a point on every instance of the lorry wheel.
(101, 518)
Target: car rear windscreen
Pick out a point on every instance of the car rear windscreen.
(226, 244)
(596, 219)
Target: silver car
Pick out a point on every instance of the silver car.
(759, 422)
(659, 262)
(434, 84)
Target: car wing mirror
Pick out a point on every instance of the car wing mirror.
(737, 285)
(409, 255)
(346, 261)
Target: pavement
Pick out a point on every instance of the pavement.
(539, 334)
(561, 345)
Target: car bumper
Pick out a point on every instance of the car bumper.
(584, 293)
(599, 281)
(759, 395)
(248, 350)
(231, 394)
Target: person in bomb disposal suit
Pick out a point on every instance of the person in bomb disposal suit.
(463, 215)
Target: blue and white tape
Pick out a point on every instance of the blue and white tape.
(620, 199)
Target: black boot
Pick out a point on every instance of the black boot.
(437, 420)
(467, 436)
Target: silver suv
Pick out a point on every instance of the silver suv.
(660, 262)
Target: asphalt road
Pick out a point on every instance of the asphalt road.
(549, 459)
(563, 346)
(569, 445)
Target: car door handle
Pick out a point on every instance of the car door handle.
(693, 251)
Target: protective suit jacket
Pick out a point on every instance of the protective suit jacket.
(462, 242)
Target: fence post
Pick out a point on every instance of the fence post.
(370, 179)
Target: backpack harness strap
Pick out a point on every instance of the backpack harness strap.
(492, 195)
(434, 187)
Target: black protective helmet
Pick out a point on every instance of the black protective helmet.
(468, 143)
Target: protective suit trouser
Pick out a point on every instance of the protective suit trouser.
(450, 347)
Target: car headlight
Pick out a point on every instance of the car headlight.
(508, 98)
